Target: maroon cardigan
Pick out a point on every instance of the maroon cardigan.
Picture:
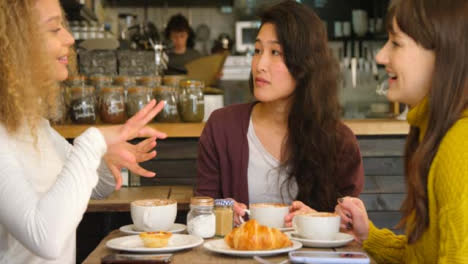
(223, 157)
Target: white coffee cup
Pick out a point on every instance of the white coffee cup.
(153, 214)
(317, 226)
(269, 214)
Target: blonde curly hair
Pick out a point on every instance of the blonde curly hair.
(28, 90)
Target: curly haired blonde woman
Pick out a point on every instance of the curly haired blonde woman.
(46, 182)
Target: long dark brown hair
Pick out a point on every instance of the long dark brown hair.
(440, 26)
(309, 151)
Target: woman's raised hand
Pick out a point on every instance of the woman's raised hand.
(121, 154)
(354, 218)
(135, 126)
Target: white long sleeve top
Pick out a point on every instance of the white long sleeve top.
(44, 192)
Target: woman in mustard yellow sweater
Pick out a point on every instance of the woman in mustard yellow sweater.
(426, 58)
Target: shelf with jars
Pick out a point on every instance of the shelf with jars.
(104, 100)
(101, 100)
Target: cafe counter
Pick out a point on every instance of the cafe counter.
(194, 130)
(119, 201)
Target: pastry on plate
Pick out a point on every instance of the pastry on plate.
(252, 236)
(155, 239)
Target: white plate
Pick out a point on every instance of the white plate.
(219, 246)
(135, 244)
(340, 240)
(131, 230)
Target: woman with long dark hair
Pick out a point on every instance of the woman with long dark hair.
(426, 60)
(290, 143)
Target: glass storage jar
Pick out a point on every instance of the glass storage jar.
(112, 105)
(191, 101)
(169, 114)
(137, 98)
(124, 81)
(75, 80)
(72, 81)
(99, 81)
(173, 80)
(82, 104)
(201, 220)
(224, 216)
(149, 81)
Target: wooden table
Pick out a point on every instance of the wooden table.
(199, 255)
(120, 200)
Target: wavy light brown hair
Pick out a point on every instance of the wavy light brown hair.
(440, 26)
(28, 91)
(309, 154)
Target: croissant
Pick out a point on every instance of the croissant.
(252, 236)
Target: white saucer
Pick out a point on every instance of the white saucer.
(135, 244)
(340, 240)
(219, 246)
(131, 230)
(286, 229)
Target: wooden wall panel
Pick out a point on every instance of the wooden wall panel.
(391, 146)
(384, 184)
(383, 202)
(387, 166)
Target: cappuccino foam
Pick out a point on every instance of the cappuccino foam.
(153, 202)
(321, 214)
(265, 205)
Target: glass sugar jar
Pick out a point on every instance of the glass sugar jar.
(201, 220)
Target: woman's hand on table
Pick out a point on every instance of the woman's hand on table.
(121, 154)
(354, 219)
(297, 207)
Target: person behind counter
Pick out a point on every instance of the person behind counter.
(426, 61)
(45, 182)
(179, 32)
(290, 144)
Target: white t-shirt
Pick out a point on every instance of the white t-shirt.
(44, 192)
(265, 179)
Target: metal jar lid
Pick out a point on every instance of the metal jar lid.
(202, 201)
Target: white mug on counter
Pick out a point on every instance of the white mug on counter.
(153, 214)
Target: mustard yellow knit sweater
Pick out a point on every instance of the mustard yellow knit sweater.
(446, 238)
